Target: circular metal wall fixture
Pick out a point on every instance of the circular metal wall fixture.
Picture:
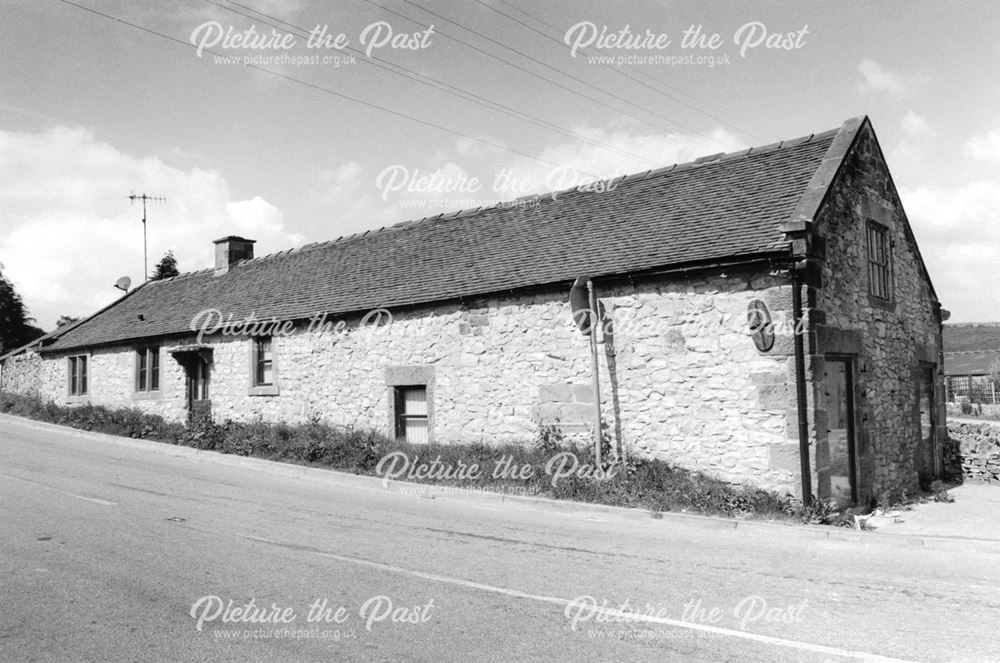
(759, 325)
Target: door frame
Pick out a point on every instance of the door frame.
(190, 359)
(850, 362)
(928, 371)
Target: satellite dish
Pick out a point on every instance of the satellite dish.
(579, 303)
(123, 283)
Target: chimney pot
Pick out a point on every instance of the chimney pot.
(229, 250)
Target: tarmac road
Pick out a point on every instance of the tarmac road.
(118, 551)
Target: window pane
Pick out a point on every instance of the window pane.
(154, 369)
(200, 385)
(415, 431)
(83, 375)
(415, 401)
(263, 374)
(141, 377)
(878, 261)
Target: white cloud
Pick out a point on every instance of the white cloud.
(876, 78)
(985, 147)
(916, 143)
(916, 126)
(67, 230)
(443, 181)
(348, 190)
(335, 185)
(958, 229)
(622, 151)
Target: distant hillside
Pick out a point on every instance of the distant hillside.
(970, 337)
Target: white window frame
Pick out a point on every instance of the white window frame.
(258, 388)
(147, 354)
(74, 376)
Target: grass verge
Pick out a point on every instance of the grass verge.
(543, 467)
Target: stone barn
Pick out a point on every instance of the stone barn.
(764, 316)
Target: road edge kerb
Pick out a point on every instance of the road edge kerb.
(430, 491)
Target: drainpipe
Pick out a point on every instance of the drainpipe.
(800, 386)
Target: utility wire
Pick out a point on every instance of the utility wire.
(430, 81)
(535, 74)
(558, 71)
(620, 71)
(640, 71)
(325, 90)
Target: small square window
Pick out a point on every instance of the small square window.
(878, 261)
(412, 424)
(78, 375)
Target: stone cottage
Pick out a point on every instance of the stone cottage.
(763, 316)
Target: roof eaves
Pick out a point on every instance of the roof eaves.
(57, 334)
(23, 348)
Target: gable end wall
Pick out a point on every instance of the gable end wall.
(890, 340)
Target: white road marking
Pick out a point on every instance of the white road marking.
(652, 619)
(95, 500)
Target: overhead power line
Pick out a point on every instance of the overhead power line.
(557, 70)
(325, 90)
(423, 79)
(658, 86)
(550, 81)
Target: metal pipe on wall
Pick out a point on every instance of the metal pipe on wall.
(800, 388)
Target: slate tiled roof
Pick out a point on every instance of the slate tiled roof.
(968, 362)
(719, 208)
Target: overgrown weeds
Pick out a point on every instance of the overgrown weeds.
(546, 466)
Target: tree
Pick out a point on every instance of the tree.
(15, 325)
(65, 320)
(166, 268)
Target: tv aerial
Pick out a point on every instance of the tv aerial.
(143, 197)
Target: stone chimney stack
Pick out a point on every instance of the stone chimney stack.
(229, 250)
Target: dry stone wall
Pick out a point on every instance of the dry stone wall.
(974, 450)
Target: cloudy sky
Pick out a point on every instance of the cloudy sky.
(398, 109)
